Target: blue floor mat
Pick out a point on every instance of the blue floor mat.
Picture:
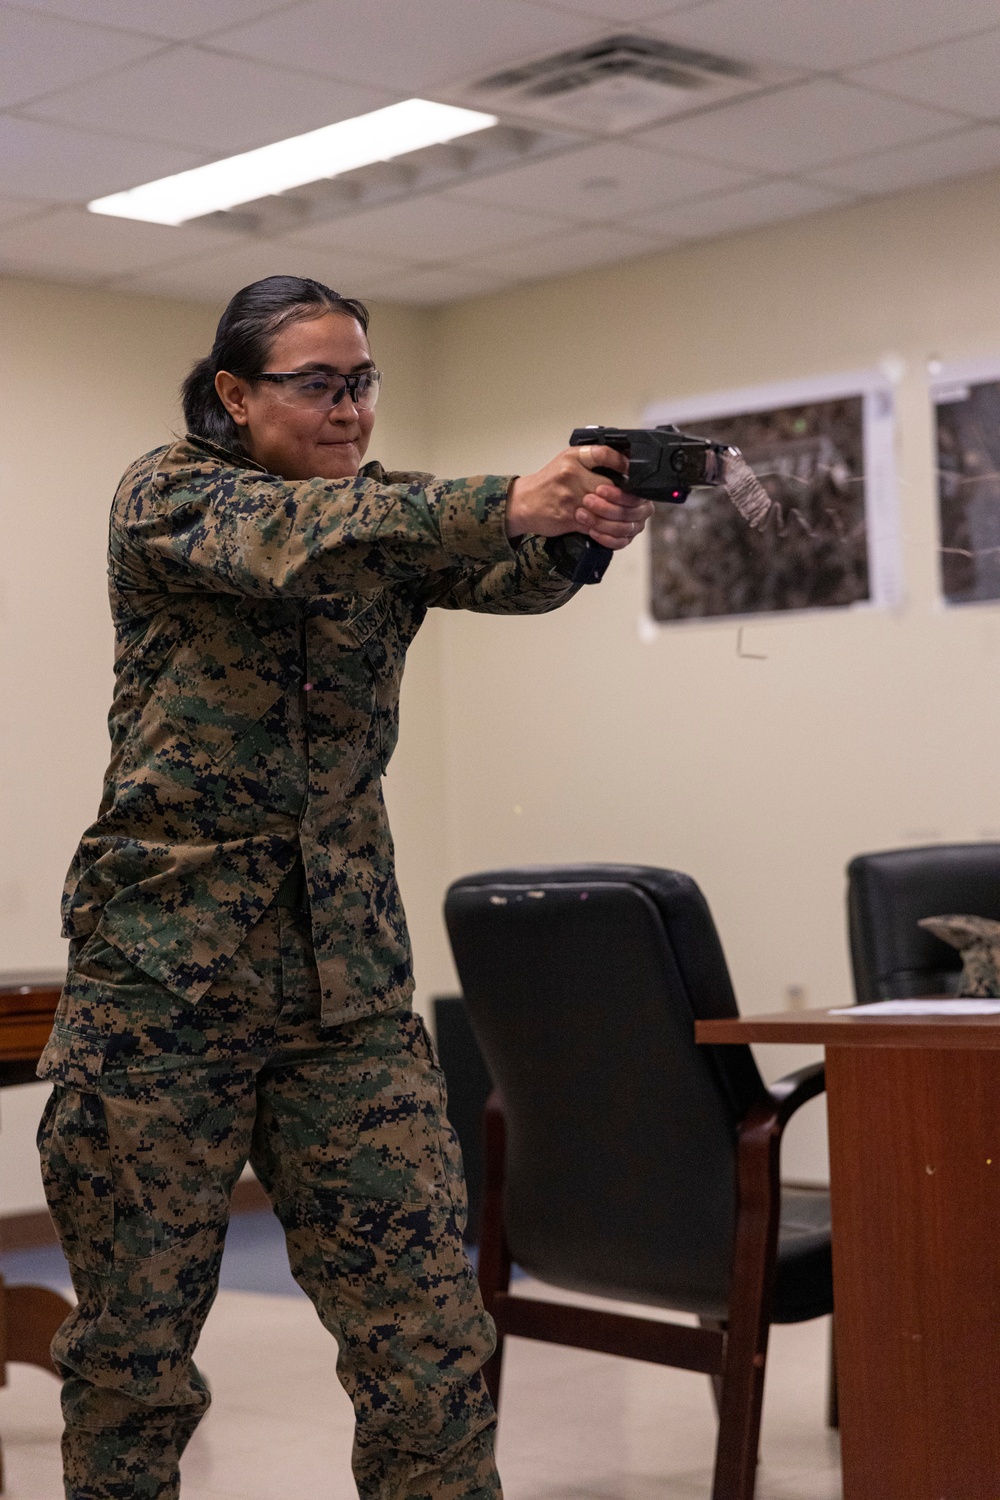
(254, 1260)
(44, 1266)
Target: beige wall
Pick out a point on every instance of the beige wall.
(565, 737)
(569, 738)
(860, 729)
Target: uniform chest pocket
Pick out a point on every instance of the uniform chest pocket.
(215, 688)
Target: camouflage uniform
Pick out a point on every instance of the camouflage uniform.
(240, 972)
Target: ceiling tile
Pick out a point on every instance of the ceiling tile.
(804, 126)
(407, 45)
(600, 184)
(825, 34)
(748, 209)
(179, 20)
(220, 104)
(963, 75)
(12, 209)
(630, 11)
(594, 246)
(216, 278)
(41, 53)
(429, 288)
(957, 155)
(70, 242)
(49, 161)
(326, 240)
(436, 227)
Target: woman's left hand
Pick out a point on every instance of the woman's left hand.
(612, 517)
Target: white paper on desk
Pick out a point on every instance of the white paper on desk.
(922, 1008)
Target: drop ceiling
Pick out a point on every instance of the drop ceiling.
(825, 103)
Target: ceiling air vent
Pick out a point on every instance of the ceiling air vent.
(615, 84)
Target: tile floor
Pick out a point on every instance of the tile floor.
(576, 1426)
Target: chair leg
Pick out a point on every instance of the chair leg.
(34, 1313)
(832, 1393)
(494, 1253)
(29, 1317)
(3, 1357)
(492, 1372)
(751, 1289)
(739, 1423)
(717, 1325)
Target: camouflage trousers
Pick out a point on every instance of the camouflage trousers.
(156, 1107)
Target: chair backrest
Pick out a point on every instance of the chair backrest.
(888, 893)
(583, 984)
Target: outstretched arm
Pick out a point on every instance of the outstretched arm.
(533, 581)
(562, 497)
(188, 523)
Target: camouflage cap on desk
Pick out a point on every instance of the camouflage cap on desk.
(978, 941)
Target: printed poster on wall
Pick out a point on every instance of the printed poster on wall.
(967, 411)
(823, 449)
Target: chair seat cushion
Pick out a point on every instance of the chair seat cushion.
(804, 1281)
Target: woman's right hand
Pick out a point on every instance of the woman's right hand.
(567, 496)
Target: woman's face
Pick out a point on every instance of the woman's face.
(294, 441)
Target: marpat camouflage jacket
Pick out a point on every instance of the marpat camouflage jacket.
(261, 629)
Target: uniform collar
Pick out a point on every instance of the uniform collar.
(191, 445)
(193, 441)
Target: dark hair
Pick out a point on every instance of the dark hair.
(243, 343)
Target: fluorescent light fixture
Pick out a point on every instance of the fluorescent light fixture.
(328, 152)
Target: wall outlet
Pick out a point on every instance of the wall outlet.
(795, 997)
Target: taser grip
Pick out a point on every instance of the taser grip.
(594, 559)
(593, 562)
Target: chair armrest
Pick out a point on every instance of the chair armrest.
(758, 1220)
(795, 1089)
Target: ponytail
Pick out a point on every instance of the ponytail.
(204, 413)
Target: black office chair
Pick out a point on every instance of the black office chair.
(887, 894)
(622, 1159)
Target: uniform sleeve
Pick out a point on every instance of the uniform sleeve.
(233, 530)
(530, 583)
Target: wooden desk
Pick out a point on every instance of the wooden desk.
(914, 1112)
(28, 1001)
(29, 1315)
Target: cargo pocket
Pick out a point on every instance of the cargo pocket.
(75, 1150)
(73, 1057)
